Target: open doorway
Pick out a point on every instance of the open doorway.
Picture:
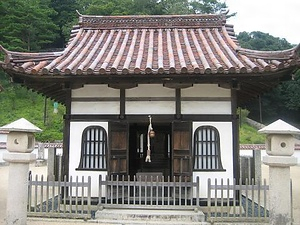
(160, 146)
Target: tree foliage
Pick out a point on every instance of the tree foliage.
(65, 14)
(27, 25)
(283, 101)
(262, 41)
(150, 7)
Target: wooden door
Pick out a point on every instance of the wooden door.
(118, 148)
(182, 149)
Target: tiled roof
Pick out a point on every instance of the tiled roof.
(192, 44)
(151, 49)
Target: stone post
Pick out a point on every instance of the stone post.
(20, 144)
(51, 161)
(280, 146)
(257, 165)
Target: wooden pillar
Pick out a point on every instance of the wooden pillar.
(178, 103)
(122, 103)
(235, 135)
(66, 136)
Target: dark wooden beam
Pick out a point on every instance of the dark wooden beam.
(235, 135)
(66, 137)
(122, 103)
(122, 85)
(144, 118)
(178, 103)
(177, 85)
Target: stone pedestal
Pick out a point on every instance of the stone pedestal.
(20, 144)
(16, 212)
(280, 146)
(280, 188)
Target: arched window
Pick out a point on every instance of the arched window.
(207, 153)
(93, 149)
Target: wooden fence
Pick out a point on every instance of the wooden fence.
(229, 201)
(148, 192)
(226, 201)
(63, 199)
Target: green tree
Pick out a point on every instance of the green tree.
(262, 41)
(284, 100)
(106, 7)
(150, 7)
(208, 6)
(26, 25)
(63, 18)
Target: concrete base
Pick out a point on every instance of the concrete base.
(146, 215)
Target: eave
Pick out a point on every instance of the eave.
(248, 86)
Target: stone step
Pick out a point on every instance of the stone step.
(149, 216)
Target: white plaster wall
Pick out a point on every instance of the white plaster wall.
(150, 90)
(75, 153)
(95, 90)
(95, 107)
(226, 146)
(205, 90)
(205, 107)
(150, 107)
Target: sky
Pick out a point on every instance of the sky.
(277, 18)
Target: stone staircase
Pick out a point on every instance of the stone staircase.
(150, 216)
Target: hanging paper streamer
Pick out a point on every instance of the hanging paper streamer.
(149, 135)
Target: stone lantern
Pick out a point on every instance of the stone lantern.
(280, 146)
(20, 144)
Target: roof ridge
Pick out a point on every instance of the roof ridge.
(152, 21)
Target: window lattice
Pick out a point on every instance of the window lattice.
(93, 148)
(207, 153)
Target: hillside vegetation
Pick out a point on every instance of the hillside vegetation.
(18, 102)
(248, 134)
